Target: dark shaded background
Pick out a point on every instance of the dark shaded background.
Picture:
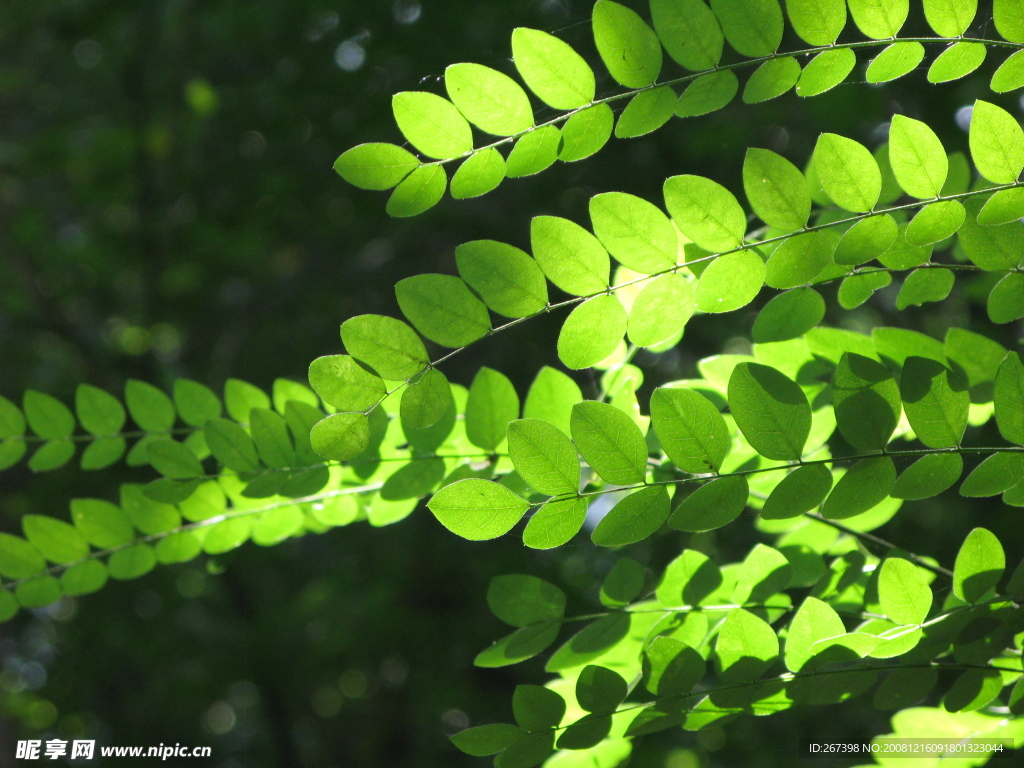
(168, 208)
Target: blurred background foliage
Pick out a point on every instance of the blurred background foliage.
(168, 208)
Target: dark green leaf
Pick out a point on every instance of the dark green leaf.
(799, 492)
(996, 474)
(1009, 399)
(928, 476)
(172, 459)
(537, 708)
(98, 412)
(521, 600)
(789, 315)
(711, 506)
(867, 402)
(600, 690)
(1006, 300)
(770, 410)
(484, 740)
(623, 583)
(634, 518)
(864, 486)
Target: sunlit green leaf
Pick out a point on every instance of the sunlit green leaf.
(552, 69)
(492, 101)
(705, 211)
(387, 345)
(770, 410)
(936, 402)
(610, 442)
(571, 257)
(443, 309)
(711, 506)
(478, 174)
(866, 484)
(689, 31)
(634, 518)
(432, 124)
(979, 565)
(629, 48)
(477, 509)
(825, 71)
(708, 93)
(376, 165)
(895, 61)
(592, 332)
(752, 27)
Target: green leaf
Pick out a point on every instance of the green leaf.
(895, 61)
(711, 506)
(996, 474)
(789, 316)
(979, 565)
(133, 562)
(864, 486)
(753, 27)
(484, 740)
(420, 191)
(375, 166)
(708, 93)
(866, 240)
(551, 398)
(533, 152)
(691, 431)
(825, 71)
(101, 453)
(800, 491)
(671, 667)
(878, 19)
(592, 332)
(957, 61)
(799, 260)
(706, 212)
(1004, 207)
(527, 751)
(925, 285)
(443, 309)
(928, 476)
(777, 190)
(867, 402)
(101, 523)
(634, 231)
(84, 578)
(270, 434)
(610, 442)
(477, 509)
(936, 402)
(904, 687)
(387, 345)
(660, 310)
(646, 112)
(730, 282)
(521, 600)
(997, 143)
(599, 689)
(240, 397)
(847, 172)
(1010, 75)
(172, 459)
(492, 101)
(426, 400)
(689, 31)
(1009, 399)
(555, 523)
(478, 174)
(623, 583)
(917, 157)
(491, 405)
(950, 18)
(58, 541)
(903, 591)
(552, 69)
(629, 48)
(935, 222)
(18, 558)
(232, 446)
(814, 621)
(585, 132)
(47, 416)
(537, 708)
(974, 357)
(518, 646)
(770, 410)
(544, 456)
(973, 689)
(195, 402)
(51, 455)
(432, 124)
(506, 278)
(746, 647)
(765, 571)
(339, 437)
(993, 248)
(38, 592)
(634, 518)
(343, 383)
(1006, 300)
(771, 80)
(818, 22)
(1009, 20)
(570, 256)
(99, 412)
(689, 580)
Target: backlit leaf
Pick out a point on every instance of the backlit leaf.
(507, 279)
(432, 124)
(705, 211)
(610, 442)
(387, 345)
(895, 61)
(489, 99)
(629, 48)
(979, 565)
(770, 410)
(592, 332)
(903, 591)
(375, 166)
(689, 31)
(552, 69)
(997, 143)
(544, 456)
(711, 506)
(443, 309)
(730, 282)
(691, 431)
(570, 256)
(847, 172)
(752, 27)
(477, 509)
